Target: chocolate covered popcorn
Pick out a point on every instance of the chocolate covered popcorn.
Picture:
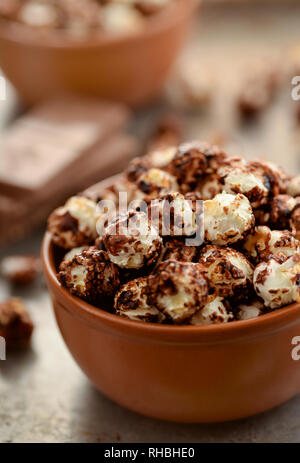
(90, 275)
(176, 249)
(205, 239)
(132, 302)
(131, 241)
(155, 182)
(293, 187)
(175, 215)
(248, 181)
(216, 310)
(74, 224)
(179, 289)
(227, 219)
(193, 160)
(228, 271)
(250, 310)
(265, 243)
(277, 282)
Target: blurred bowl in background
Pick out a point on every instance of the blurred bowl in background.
(129, 68)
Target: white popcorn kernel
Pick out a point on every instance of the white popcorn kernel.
(277, 282)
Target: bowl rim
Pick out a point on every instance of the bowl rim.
(19, 34)
(217, 333)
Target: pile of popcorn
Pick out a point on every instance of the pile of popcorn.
(82, 18)
(247, 264)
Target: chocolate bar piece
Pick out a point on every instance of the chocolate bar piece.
(45, 143)
(103, 161)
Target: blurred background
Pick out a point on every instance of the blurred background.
(78, 100)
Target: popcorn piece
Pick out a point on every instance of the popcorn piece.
(295, 219)
(259, 89)
(191, 87)
(215, 311)
(227, 218)
(74, 252)
(173, 215)
(16, 326)
(160, 158)
(293, 187)
(176, 249)
(118, 18)
(277, 282)
(132, 302)
(277, 178)
(37, 13)
(280, 211)
(156, 182)
(193, 160)
(74, 224)
(179, 289)
(229, 273)
(246, 180)
(210, 186)
(264, 243)
(254, 99)
(22, 270)
(252, 310)
(131, 241)
(137, 167)
(90, 275)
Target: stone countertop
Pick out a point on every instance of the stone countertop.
(44, 397)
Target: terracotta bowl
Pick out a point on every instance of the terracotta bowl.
(185, 373)
(128, 68)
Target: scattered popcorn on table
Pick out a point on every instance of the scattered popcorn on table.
(16, 326)
(21, 270)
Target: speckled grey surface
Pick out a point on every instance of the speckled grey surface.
(44, 397)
